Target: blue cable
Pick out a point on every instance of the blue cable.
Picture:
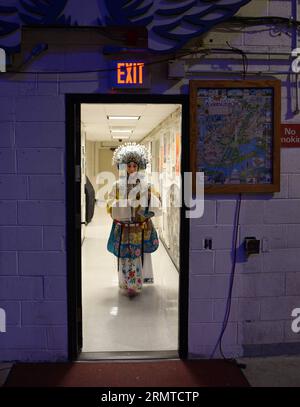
(229, 297)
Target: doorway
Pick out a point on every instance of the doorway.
(103, 323)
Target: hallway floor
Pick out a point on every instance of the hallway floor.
(112, 321)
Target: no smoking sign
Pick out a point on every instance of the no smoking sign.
(290, 135)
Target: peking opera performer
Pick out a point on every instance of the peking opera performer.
(132, 203)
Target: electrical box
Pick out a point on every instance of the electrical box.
(251, 246)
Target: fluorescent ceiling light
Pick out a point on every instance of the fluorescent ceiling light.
(120, 136)
(121, 131)
(123, 117)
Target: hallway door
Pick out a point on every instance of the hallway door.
(74, 187)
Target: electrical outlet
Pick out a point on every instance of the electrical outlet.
(251, 245)
(207, 243)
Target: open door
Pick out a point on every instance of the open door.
(76, 221)
(74, 237)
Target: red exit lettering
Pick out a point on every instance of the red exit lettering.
(130, 72)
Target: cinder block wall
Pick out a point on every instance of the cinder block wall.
(32, 218)
(32, 215)
(267, 286)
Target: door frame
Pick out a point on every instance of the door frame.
(73, 211)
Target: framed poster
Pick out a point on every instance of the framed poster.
(156, 156)
(149, 166)
(235, 135)
(177, 153)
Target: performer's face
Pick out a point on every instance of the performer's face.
(132, 167)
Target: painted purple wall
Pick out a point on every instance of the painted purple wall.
(267, 287)
(32, 215)
(32, 193)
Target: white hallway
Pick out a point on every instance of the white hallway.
(114, 322)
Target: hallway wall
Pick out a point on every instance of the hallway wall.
(105, 161)
(91, 170)
(165, 140)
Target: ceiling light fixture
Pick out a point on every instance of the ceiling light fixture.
(123, 117)
(121, 131)
(120, 136)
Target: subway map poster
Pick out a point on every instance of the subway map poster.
(235, 143)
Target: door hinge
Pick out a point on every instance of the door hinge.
(77, 173)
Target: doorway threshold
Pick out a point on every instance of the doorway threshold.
(135, 355)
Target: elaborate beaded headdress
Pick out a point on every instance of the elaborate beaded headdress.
(132, 151)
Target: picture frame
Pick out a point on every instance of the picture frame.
(235, 135)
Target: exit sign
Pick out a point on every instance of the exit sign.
(129, 74)
(290, 135)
